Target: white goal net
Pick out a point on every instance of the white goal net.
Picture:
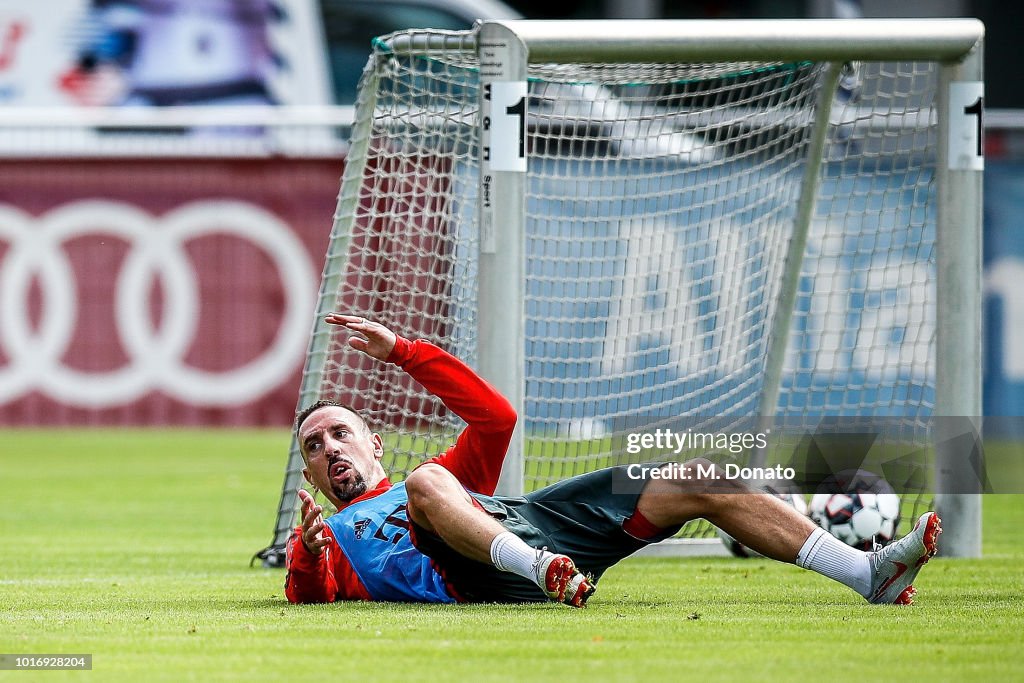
(729, 239)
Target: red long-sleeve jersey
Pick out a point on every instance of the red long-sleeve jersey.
(475, 459)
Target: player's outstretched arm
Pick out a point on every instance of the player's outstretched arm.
(459, 388)
(477, 456)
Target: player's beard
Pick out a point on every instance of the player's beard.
(351, 489)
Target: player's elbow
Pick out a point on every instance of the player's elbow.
(304, 600)
(507, 418)
(293, 597)
(503, 418)
(297, 596)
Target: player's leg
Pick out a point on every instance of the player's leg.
(758, 520)
(439, 504)
(765, 524)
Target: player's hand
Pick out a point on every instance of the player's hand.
(312, 524)
(378, 341)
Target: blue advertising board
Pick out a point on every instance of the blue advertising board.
(1003, 360)
(694, 265)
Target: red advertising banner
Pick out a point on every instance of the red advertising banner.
(151, 292)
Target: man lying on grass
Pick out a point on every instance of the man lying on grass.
(441, 536)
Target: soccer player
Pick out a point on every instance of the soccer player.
(441, 536)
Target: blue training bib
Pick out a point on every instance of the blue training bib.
(374, 535)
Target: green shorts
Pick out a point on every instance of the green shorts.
(580, 517)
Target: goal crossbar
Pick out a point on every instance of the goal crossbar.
(701, 40)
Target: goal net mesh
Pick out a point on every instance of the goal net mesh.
(661, 201)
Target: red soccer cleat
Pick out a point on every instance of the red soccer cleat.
(563, 582)
(895, 566)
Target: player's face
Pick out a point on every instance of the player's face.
(342, 455)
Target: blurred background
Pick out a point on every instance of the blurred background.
(169, 171)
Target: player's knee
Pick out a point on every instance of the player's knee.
(711, 476)
(706, 482)
(683, 492)
(698, 475)
(701, 469)
(429, 485)
(713, 487)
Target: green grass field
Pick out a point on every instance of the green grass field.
(134, 546)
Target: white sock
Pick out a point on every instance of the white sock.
(509, 553)
(824, 553)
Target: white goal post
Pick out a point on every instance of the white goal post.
(624, 223)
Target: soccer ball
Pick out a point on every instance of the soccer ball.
(738, 549)
(865, 513)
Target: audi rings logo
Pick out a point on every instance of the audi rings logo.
(155, 354)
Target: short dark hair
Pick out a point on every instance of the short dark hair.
(325, 403)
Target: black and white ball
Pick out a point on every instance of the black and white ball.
(866, 513)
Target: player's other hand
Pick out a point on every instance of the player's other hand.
(312, 524)
(377, 341)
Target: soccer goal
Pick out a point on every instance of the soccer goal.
(626, 224)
